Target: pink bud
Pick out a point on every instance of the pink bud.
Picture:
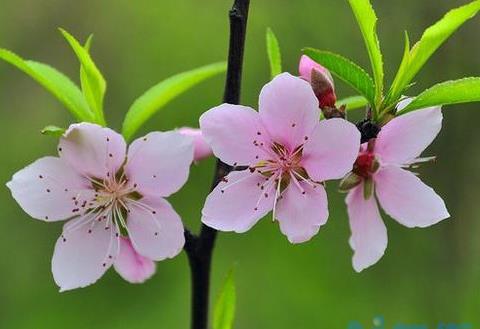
(201, 149)
(320, 79)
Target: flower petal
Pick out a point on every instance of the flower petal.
(83, 253)
(246, 198)
(92, 150)
(132, 266)
(155, 229)
(331, 150)
(233, 132)
(407, 199)
(301, 214)
(369, 234)
(405, 137)
(201, 149)
(159, 163)
(50, 190)
(288, 109)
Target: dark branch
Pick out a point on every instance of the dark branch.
(200, 248)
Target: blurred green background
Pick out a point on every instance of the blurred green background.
(427, 275)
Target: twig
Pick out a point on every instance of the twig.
(200, 248)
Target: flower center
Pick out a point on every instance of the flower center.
(283, 164)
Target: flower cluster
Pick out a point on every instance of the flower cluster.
(290, 153)
(113, 199)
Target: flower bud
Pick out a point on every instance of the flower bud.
(201, 149)
(320, 79)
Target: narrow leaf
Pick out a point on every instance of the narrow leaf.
(352, 102)
(224, 312)
(346, 70)
(274, 55)
(53, 131)
(465, 90)
(431, 40)
(367, 20)
(55, 82)
(161, 94)
(92, 81)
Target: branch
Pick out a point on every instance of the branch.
(200, 248)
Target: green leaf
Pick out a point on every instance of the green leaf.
(55, 82)
(224, 312)
(92, 81)
(431, 40)
(465, 90)
(352, 102)
(346, 70)
(53, 131)
(161, 94)
(274, 55)
(367, 20)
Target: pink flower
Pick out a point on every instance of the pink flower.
(202, 149)
(105, 193)
(288, 152)
(320, 79)
(380, 175)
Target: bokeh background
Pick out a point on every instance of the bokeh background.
(428, 276)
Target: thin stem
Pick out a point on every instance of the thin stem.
(199, 248)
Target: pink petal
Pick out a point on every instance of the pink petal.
(288, 109)
(83, 253)
(132, 266)
(92, 150)
(159, 163)
(301, 214)
(155, 229)
(232, 131)
(405, 137)
(331, 150)
(201, 149)
(369, 234)
(48, 189)
(407, 199)
(242, 203)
